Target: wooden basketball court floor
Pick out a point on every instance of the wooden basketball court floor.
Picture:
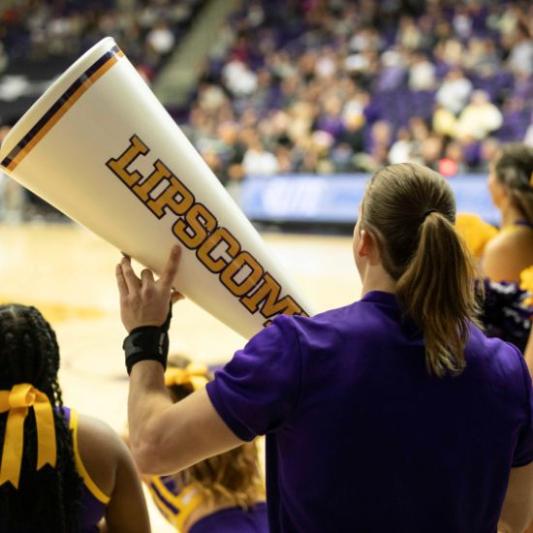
(68, 273)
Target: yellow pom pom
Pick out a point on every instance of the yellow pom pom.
(475, 232)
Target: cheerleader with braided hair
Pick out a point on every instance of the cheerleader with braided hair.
(59, 472)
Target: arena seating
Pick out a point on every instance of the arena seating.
(339, 86)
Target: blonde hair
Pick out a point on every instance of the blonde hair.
(410, 210)
(232, 477)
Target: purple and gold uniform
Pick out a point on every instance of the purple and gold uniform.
(360, 437)
(177, 505)
(93, 500)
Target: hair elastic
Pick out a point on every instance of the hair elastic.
(428, 212)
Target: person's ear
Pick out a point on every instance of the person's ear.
(363, 244)
(499, 192)
(368, 247)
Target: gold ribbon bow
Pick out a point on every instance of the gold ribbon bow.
(17, 401)
(194, 374)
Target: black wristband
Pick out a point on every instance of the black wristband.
(166, 324)
(146, 343)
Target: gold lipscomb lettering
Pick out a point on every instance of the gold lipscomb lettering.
(197, 228)
(119, 166)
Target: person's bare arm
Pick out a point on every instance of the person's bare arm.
(517, 511)
(164, 437)
(504, 258)
(167, 437)
(127, 512)
(110, 465)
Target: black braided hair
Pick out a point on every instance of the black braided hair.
(47, 500)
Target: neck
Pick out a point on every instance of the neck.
(510, 215)
(376, 279)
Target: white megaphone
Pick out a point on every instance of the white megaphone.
(100, 147)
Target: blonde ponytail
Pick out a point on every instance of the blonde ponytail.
(436, 290)
(411, 211)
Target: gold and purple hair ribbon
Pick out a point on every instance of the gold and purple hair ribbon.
(194, 374)
(17, 402)
(526, 284)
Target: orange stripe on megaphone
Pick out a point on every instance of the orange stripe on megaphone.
(60, 107)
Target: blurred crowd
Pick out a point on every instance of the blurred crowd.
(341, 86)
(42, 37)
(41, 29)
(318, 86)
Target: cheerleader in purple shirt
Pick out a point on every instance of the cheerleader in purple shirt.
(60, 472)
(393, 413)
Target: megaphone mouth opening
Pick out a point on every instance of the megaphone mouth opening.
(56, 101)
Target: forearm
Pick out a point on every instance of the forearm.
(165, 437)
(517, 510)
(148, 399)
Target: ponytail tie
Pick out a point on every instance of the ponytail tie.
(194, 374)
(428, 212)
(17, 401)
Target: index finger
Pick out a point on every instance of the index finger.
(121, 282)
(171, 267)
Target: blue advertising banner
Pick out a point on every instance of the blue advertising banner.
(335, 198)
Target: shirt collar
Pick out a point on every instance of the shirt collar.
(380, 297)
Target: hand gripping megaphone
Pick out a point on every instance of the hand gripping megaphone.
(100, 147)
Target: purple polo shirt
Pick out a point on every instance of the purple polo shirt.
(360, 438)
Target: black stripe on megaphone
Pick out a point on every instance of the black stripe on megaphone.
(60, 107)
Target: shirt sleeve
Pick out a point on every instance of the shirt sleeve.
(524, 448)
(257, 391)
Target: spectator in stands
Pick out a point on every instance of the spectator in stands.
(421, 73)
(239, 79)
(452, 162)
(521, 56)
(161, 39)
(479, 118)
(401, 150)
(258, 161)
(481, 57)
(431, 150)
(454, 91)
(300, 58)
